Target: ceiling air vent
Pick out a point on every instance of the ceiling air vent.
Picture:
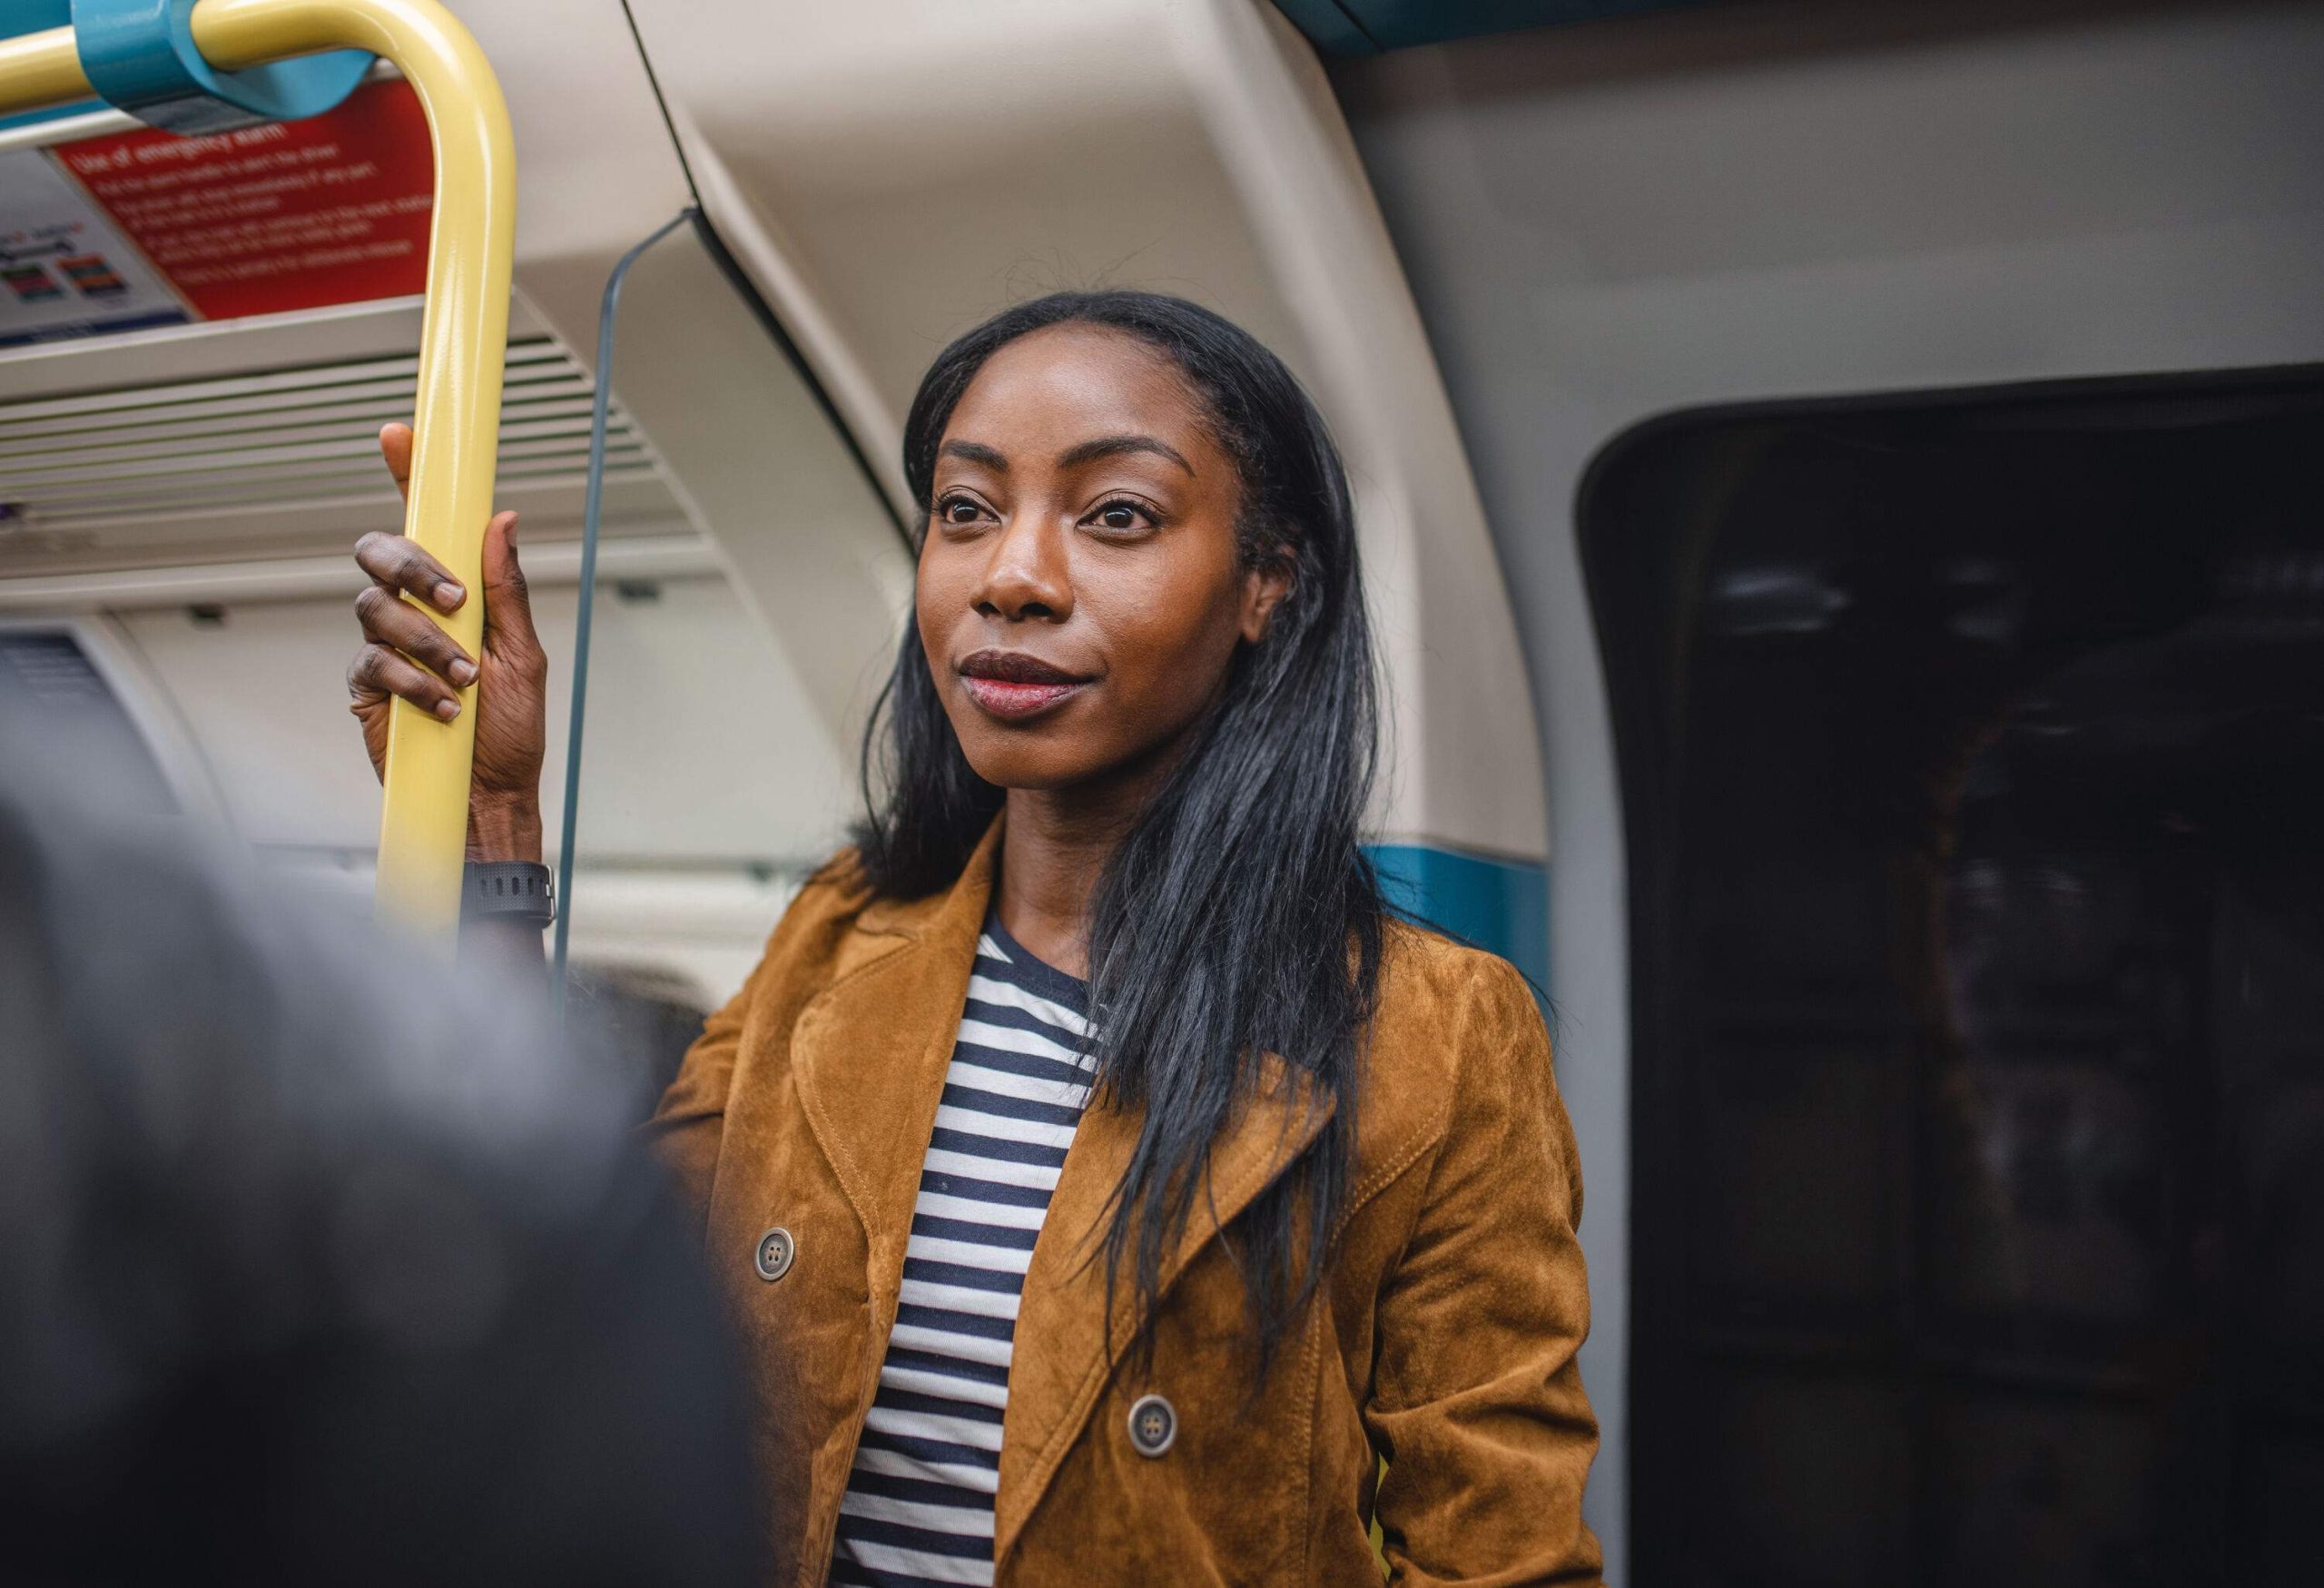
(286, 460)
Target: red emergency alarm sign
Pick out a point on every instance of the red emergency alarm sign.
(290, 215)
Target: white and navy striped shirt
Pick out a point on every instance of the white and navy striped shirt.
(919, 1502)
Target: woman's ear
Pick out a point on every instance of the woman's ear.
(1264, 585)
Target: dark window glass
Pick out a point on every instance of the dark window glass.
(1973, 748)
(59, 707)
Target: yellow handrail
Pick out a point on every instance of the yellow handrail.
(41, 69)
(463, 345)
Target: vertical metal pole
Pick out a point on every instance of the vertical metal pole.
(600, 415)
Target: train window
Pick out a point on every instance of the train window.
(1972, 749)
(69, 706)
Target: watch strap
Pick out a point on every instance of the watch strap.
(521, 891)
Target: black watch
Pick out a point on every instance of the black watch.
(519, 891)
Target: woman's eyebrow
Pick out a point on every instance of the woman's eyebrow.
(1115, 446)
(975, 452)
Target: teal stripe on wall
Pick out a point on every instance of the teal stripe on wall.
(1367, 27)
(55, 113)
(23, 16)
(1500, 905)
(1328, 26)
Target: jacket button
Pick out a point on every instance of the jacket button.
(1153, 1425)
(773, 1253)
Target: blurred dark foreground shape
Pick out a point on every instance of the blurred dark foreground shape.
(300, 1280)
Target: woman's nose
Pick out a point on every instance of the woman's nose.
(1025, 578)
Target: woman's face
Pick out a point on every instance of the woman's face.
(1080, 594)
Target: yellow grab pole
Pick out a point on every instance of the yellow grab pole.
(463, 346)
(38, 70)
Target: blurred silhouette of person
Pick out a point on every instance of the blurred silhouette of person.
(299, 1281)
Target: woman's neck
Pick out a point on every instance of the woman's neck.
(1053, 850)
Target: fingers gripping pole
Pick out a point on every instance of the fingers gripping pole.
(463, 345)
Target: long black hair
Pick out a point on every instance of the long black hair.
(1239, 917)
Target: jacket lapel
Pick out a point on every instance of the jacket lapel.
(869, 1054)
(1064, 1342)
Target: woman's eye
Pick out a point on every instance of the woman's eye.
(1121, 516)
(957, 510)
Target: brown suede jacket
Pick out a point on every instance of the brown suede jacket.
(1443, 1341)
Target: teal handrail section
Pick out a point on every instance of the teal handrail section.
(140, 55)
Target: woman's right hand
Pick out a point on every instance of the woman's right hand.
(405, 656)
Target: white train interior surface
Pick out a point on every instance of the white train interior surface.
(1839, 490)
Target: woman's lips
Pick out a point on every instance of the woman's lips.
(1013, 685)
(1014, 702)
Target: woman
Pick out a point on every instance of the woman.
(1106, 1183)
